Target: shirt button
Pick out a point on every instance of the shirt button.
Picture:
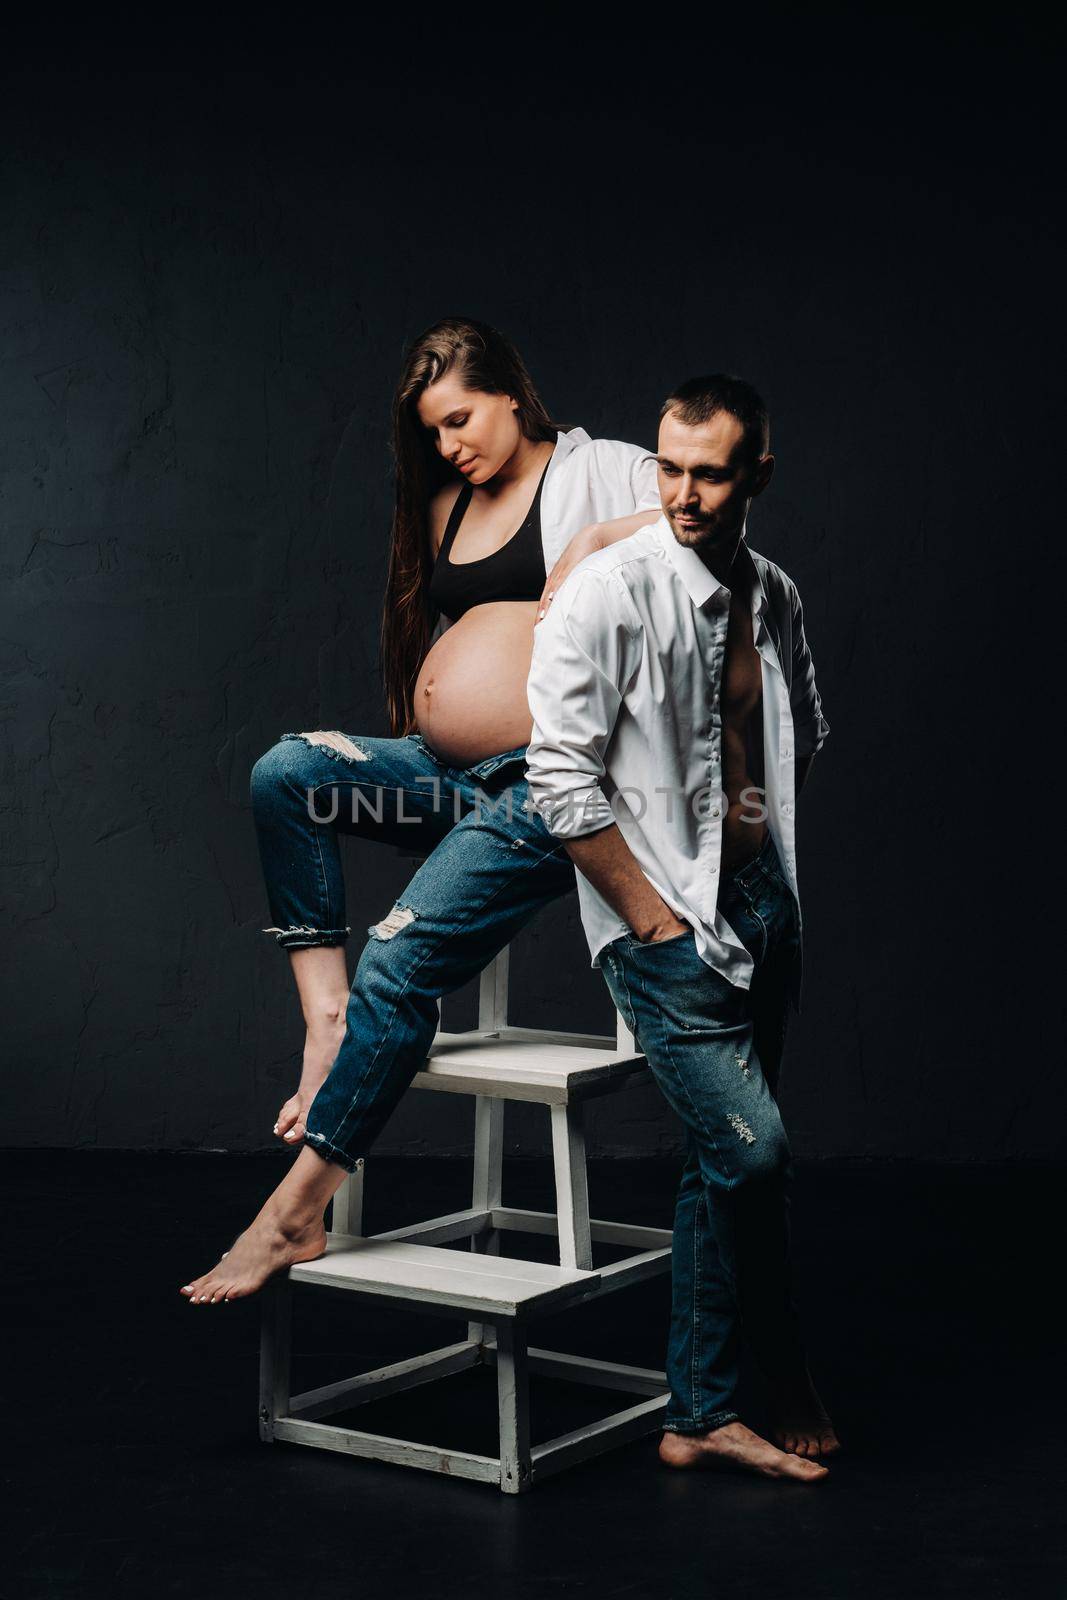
(787, 811)
(715, 813)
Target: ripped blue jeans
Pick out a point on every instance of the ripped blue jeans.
(491, 866)
(715, 1051)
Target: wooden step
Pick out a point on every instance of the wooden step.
(429, 1275)
(528, 1064)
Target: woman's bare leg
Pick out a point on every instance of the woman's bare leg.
(289, 1228)
(321, 975)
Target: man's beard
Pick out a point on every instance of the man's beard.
(709, 537)
(701, 529)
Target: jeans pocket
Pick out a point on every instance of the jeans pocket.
(491, 764)
(615, 979)
(748, 921)
(773, 902)
(427, 750)
(686, 937)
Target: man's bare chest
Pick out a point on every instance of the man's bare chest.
(741, 690)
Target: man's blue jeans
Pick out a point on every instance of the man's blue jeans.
(715, 1051)
(491, 866)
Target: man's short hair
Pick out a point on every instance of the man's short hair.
(699, 399)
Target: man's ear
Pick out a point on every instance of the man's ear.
(763, 474)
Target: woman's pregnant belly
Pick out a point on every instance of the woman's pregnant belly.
(470, 695)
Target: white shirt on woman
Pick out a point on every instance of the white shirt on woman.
(592, 480)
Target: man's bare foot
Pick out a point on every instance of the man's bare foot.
(320, 1052)
(801, 1424)
(736, 1446)
(266, 1247)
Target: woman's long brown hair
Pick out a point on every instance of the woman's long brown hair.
(482, 359)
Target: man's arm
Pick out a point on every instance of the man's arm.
(584, 654)
(611, 867)
(810, 727)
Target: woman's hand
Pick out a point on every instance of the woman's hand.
(594, 537)
(585, 541)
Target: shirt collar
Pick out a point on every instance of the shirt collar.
(566, 442)
(700, 583)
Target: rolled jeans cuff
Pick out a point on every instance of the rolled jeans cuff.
(307, 938)
(331, 1152)
(718, 1420)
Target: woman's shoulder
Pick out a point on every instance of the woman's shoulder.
(441, 505)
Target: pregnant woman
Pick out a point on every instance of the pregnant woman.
(494, 506)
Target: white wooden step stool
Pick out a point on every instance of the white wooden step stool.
(494, 1063)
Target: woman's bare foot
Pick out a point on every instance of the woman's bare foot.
(320, 1052)
(801, 1424)
(266, 1247)
(287, 1229)
(736, 1446)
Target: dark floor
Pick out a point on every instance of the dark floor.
(928, 1294)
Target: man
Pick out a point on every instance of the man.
(675, 719)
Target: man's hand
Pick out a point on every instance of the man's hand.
(607, 861)
(668, 927)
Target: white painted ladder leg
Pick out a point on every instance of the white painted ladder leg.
(347, 1216)
(572, 1187)
(488, 1185)
(489, 1122)
(275, 1342)
(493, 993)
(513, 1403)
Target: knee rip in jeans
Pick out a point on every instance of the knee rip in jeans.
(337, 744)
(398, 918)
(741, 1128)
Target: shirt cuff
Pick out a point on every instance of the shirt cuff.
(575, 813)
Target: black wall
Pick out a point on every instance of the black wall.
(207, 281)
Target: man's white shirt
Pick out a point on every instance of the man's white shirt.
(625, 692)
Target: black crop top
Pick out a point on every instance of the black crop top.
(514, 572)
